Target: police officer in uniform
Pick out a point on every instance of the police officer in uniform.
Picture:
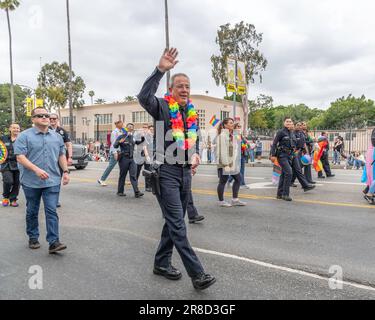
(174, 176)
(126, 162)
(55, 125)
(299, 152)
(309, 148)
(283, 148)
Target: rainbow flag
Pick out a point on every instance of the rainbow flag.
(214, 121)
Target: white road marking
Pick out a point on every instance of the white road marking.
(285, 269)
(235, 257)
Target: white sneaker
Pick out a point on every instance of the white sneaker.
(102, 183)
(244, 187)
(238, 203)
(224, 204)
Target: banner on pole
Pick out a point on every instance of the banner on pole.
(29, 106)
(39, 103)
(241, 78)
(231, 71)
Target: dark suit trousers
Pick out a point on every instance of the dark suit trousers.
(175, 187)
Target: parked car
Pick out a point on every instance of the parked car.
(80, 156)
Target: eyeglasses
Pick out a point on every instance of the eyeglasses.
(53, 118)
(40, 116)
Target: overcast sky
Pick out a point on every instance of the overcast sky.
(317, 50)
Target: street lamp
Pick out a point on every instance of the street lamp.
(97, 126)
(88, 126)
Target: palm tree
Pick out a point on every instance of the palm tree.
(10, 5)
(100, 101)
(91, 94)
(70, 74)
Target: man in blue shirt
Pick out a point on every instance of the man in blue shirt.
(40, 151)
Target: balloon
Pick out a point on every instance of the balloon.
(306, 160)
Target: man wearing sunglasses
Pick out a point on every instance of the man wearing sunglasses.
(41, 153)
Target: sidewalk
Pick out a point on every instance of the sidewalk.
(267, 163)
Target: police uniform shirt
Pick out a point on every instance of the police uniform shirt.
(62, 132)
(284, 141)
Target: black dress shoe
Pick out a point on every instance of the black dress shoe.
(331, 175)
(56, 246)
(170, 273)
(139, 194)
(196, 219)
(310, 187)
(121, 194)
(286, 198)
(203, 281)
(34, 244)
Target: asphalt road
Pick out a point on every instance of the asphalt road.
(269, 249)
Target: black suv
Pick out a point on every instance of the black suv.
(80, 156)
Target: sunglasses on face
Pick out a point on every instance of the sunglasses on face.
(40, 116)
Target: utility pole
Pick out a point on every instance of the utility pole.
(167, 37)
(70, 75)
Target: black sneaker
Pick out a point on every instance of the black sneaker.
(34, 244)
(308, 188)
(139, 194)
(331, 176)
(196, 219)
(286, 198)
(170, 273)
(121, 194)
(58, 205)
(321, 177)
(203, 281)
(311, 182)
(56, 246)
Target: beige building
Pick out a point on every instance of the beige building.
(86, 126)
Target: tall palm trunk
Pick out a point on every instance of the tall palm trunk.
(167, 37)
(70, 75)
(11, 71)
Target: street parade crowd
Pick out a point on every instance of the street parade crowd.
(37, 160)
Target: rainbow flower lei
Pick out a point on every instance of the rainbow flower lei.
(3, 152)
(184, 143)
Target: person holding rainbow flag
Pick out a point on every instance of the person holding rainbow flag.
(369, 172)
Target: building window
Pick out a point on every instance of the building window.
(141, 117)
(201, 119)
(224, 115)
(104, 118)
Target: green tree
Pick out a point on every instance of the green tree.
(53, 86)
(10, 5)
(20, 108)
(92, 94)
(243, 41)
(349, 112)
